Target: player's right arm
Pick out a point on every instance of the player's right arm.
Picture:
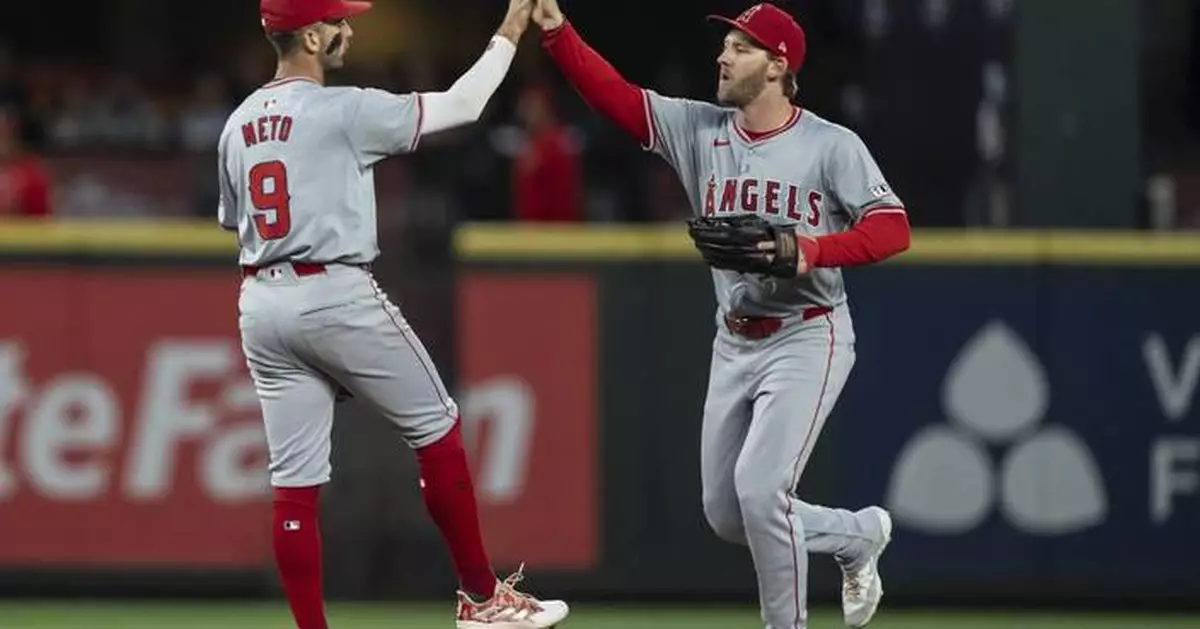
(600, 85)
(665, 125)
(381, 123)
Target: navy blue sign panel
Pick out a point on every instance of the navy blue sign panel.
(1029, 428)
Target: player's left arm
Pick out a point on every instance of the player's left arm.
(380, 124)
(463, 103)
(881, 229)
(227, 207)
(466, 99)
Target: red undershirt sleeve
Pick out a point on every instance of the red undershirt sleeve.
(598, 83)
(881, 234)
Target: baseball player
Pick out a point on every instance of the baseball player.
(784, 345)
(296, 182)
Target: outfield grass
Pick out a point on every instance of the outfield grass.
(136, 615)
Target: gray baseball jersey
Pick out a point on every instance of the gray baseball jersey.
(810, 173)
(768, 398)
(295, 169)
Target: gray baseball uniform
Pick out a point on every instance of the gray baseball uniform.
(768, 397)
(296, 179)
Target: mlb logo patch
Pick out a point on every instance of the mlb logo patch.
(880, 191)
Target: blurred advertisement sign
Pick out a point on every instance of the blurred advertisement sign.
(130, 434)
(528, 364)
(1048, 424)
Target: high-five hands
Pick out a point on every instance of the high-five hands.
(516, 20)
(547, 15)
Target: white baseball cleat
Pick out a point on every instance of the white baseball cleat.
(862, 588)
(509, 609)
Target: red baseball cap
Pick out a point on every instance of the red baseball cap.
(280, 16)
(774, 30)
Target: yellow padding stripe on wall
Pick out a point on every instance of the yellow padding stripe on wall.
(486, 242)
(493, 242)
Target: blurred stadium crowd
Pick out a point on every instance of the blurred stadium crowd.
(102, 137)
(88, 140)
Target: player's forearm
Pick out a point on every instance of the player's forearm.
(465, 101)
(875, 239)
(597, 82)
(513, 27)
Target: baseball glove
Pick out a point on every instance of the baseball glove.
(733, 243)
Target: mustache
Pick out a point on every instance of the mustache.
(334, 44)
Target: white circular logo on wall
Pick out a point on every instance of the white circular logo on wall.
(996, 392)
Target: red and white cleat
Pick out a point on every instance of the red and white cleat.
(509, 609)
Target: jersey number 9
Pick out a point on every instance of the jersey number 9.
(277, 200)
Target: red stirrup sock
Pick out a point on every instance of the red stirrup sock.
(450, 497)
(297, 544)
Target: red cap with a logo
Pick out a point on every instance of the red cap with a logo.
(774, 30)
(281, 16)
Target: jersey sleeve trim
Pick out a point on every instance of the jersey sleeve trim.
(885, 209)
(653, 141)
(420, 122)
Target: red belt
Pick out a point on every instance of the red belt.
(301, 269)
(762, 327)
